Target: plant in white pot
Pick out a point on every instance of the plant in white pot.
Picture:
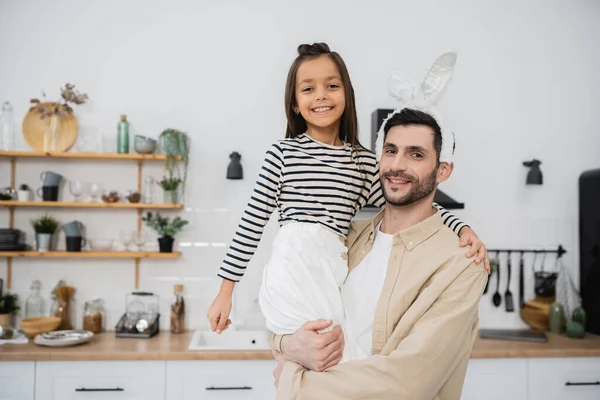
(166, 229)
(170, 186)
(24, 193)
(44, 228)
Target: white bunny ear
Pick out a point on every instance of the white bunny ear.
(402, 88)
(437, 78)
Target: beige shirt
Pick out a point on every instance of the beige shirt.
(424, 327)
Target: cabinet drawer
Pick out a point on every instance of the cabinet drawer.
(17, 380)
(564, 378)
(143, 380)
(220, 380)
(496, 379)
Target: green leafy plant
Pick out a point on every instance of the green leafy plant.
(9, 303)
(24, 186)
(163, 225)
(170, 183)
(45, 224)
(176, 146)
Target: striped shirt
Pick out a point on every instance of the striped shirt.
(308, 181)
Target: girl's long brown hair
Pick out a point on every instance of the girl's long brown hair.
(296, 125)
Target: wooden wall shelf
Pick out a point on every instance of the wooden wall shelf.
(12, 156)
(89, 156)
(89, 254)
(75, 204)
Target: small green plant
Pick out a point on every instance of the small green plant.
(163, 225)
(170, 183)
(24, 186)
(9, 303)
(176, 146)
(46, 224)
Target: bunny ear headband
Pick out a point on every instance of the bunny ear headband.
(423, 98)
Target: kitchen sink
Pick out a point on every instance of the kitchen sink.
(230, 340)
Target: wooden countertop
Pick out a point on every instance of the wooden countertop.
(166, 346)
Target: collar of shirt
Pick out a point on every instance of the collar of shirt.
(412, 236)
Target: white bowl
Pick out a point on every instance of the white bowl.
(101, 244)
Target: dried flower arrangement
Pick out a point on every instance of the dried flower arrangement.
(69, 95)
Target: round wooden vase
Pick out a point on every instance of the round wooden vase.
(35, 129)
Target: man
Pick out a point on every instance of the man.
(408, 271)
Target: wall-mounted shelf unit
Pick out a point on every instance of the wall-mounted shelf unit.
(136, 256)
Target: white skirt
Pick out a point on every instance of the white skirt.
(302, 282)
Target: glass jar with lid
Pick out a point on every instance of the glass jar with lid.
(94, 315)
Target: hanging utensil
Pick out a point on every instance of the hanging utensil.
(493, 266)
(510, 306)
(497, 298)
(521, 281)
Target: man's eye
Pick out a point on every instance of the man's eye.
(417, 155)
(390, 151)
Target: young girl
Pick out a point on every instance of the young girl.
(318, 178)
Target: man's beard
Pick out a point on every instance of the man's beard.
(418, 189)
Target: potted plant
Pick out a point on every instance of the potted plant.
(170, 186)
(165, 228)
(44, 228)
(175, 144)
(24, 193)
(9, 305)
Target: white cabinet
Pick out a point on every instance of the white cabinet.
(123, 380)
(496, 379)
(17, 380)
(564, 378)
(220, 380)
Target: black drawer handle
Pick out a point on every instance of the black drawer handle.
(597, 383)
(229, 388)
(100, 390)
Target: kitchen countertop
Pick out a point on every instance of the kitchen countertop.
(166, 346)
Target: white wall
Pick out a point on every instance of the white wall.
(525, 86)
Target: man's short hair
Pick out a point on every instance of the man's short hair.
(408, 117)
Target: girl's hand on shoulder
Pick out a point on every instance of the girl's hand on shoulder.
(468, 237)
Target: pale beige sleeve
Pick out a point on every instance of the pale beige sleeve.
(417, 369)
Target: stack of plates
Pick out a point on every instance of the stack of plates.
(63, 338)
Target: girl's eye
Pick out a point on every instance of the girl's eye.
(306, 89)
(334, 86)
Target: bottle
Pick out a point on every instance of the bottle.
(34, 305)
(556, 318)
(7, 128)
(123, 136)
(178, 311)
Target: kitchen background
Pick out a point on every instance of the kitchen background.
(525, 86)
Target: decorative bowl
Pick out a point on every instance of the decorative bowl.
(34, 326)
(144, 145)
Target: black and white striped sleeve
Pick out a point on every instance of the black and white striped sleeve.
(450, 220)
(376, 194)
(261, 205)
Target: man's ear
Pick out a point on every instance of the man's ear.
(444, 171)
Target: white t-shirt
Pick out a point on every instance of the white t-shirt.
(363, 287)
